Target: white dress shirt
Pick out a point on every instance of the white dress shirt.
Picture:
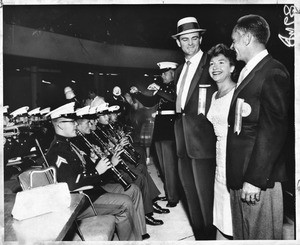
(251, 64)
(195, 60)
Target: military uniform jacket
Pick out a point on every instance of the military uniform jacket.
(70, 167)
(165, 101)
(194, 133)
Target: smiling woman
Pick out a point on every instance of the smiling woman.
(222, 65)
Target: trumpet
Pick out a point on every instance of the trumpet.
(11, 131)
(119, 176)
(107, 148)
(15, 130)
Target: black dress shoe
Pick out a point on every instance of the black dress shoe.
(145, 236)
(159, 210)
(151, 221)
(161, 199)
(171, 204)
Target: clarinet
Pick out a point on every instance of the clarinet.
(128, 147)
(114, 138)
(106, 147)
(113, 168)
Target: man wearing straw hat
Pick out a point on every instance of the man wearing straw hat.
(194, 134)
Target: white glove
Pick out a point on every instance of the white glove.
(153, 86)
(133, 90)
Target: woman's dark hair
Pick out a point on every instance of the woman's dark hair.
(230, 54)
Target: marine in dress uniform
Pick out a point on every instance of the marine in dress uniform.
(144, 181)
(163, 133)
(73, 169)
(84, 115)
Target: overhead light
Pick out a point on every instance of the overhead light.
(114, 74)
(73, 81)
(146, 75)
(101, 74)
(43, 81)
(18, 69)
(91, 73)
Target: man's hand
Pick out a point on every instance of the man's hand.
(115, 159)
(250, 193)
(124, 141)
(103, 165)
(153, 86)
(133, 90)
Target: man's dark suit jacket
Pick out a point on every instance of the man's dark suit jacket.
(256, 154)
(194, 134)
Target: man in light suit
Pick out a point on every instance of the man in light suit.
(258, 124)
(194, 134)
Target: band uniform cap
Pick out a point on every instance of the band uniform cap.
(187, 25)
(45, 110)
(93, 110)
(34, 111)
(20, 111)
(5, 109)
(116, 91)
(114, 108)
(66, 110)
(166, 65)
(69, 93)
(97, 101)
(102, 109)
(82, 112)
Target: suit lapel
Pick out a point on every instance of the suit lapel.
(177, 74)
(196, 77)
(249, 78)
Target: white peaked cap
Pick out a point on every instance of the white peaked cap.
(167, 65)
(93, 110)
(19, 111)
(113, 108)
(62, 111)
(83, 111)
(34, 111)
(69, 93)
(5, 109)
(116, 91)
(45, 110)
(97, 101)
(102, 107)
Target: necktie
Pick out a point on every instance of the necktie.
(242, 75)
(178, 100)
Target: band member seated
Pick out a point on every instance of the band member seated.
(144, 181)
(73, 169)
(18, 141)
(85, 121)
